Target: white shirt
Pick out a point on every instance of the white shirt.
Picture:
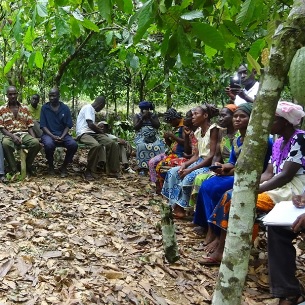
(251, 93)
(86, 113)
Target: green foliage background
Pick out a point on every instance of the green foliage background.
(174, 53)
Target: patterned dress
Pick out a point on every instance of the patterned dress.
(148, 144)
(178, 190)
(293, 151)
(225, 149)
(176, 151)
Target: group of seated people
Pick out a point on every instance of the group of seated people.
(33, 127)
(184, 175)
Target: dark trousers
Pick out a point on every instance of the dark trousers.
(50, 145)
(281, 260)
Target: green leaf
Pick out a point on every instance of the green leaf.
(246, 12)
(184, 47)
(61, 2)
(128, 6)
(91, 4)
(41, 8)
(133, 61)
(28, 39)
(39, 60)
(125, 6)
(31, 60)
(17, 29)
(109, 37)
(90, 25)
(10, 63)
(145, 18)
(172, 17)
(186, 3)
(233, 28)
(232, 58)
(172, 45)
(210, 52)
(61, 26)
(209, 35)
(164, 45)
(104, 7)
(257, 47)
(254, 64)
(75, 28)
(192, 15)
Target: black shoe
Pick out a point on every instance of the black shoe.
(31, 171)
(51, 171)
(63, 172)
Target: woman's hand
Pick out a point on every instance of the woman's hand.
(299, 224)
(298, 201)
(184, 172)
(182, 168)
(187, 130)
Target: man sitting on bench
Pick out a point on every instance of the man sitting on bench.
(55, 122)
(94, 136)
(16, 126)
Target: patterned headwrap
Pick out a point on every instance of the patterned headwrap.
(246, 107)
(291, 112)
(231, 107)
(171, 114)
(146, 105)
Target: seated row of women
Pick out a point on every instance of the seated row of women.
(192, 182)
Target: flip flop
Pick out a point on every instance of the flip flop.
(209, 261)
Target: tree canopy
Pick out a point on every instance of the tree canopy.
(173, 51)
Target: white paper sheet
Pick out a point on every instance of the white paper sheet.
(283, 214)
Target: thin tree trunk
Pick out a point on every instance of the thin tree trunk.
(169, 234)
(233, 270)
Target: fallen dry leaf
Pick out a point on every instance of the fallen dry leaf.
(67, 241)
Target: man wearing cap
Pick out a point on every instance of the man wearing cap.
(93, 135)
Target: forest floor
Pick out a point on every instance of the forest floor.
(70, 241)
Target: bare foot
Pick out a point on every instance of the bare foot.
(211, 247)
(199, 230)
(210, 236)
(178, 211)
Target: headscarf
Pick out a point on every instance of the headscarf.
(231, 107)
(171, 114)
(291, 112)
(246, 107)
(146, 105)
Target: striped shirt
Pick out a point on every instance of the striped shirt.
(13, 124)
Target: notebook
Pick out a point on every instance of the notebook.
(283, 214)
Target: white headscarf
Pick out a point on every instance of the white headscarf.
(291, 112)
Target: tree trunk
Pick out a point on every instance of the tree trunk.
(233, 270)
(169, 234)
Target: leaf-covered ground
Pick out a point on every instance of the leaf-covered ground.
(70, 241)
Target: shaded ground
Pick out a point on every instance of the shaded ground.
(68, 241)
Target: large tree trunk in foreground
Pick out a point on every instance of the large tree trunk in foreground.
(288, 38)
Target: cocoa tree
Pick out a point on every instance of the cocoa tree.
(288, 37)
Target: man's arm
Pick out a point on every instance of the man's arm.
(14, 138)
(31, 132)
(95, 128)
